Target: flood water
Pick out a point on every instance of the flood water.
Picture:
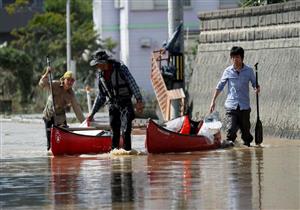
(238, 178)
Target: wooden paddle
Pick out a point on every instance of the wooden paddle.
(258, 126)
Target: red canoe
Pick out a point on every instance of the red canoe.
(65, 142)
(161, 140)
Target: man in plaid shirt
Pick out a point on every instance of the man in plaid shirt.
(118, 86)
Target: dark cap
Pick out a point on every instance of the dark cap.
(99, 57)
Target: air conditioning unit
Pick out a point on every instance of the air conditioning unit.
(145, 43)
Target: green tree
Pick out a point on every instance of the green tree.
(45, 35)
(16, 73)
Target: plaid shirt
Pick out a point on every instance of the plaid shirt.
(102, 94)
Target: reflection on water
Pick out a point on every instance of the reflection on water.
(90, 182)
(202, 181)
(238, 178)
(259, 164)
(122, 190)
(64, 182)
(24, 182)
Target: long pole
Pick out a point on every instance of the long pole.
(258, 126)
(257, 98)
(51, 91)
(68, 35)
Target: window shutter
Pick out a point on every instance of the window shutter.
(142, 5)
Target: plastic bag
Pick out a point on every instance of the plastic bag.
(174, 125)
(211, 126)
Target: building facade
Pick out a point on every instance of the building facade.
(9, 22)
(139, 27)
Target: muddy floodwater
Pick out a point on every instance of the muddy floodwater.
(238, 178)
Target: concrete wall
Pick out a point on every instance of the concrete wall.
(270, 36)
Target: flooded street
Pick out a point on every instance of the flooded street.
(238, 178)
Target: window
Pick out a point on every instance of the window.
(8, 1)
(142, 5)
(226, 4)
(160, 4)
(119, 4)
(4, 3)
(38, 3)
(154, 4)
(31, 3)
(187, 3)
(163, 4)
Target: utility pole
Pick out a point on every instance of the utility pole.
(68, 35)
(175, 17)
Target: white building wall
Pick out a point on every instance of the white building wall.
(146, 27)
(138, 27)
(107, 21)
(153, 25)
